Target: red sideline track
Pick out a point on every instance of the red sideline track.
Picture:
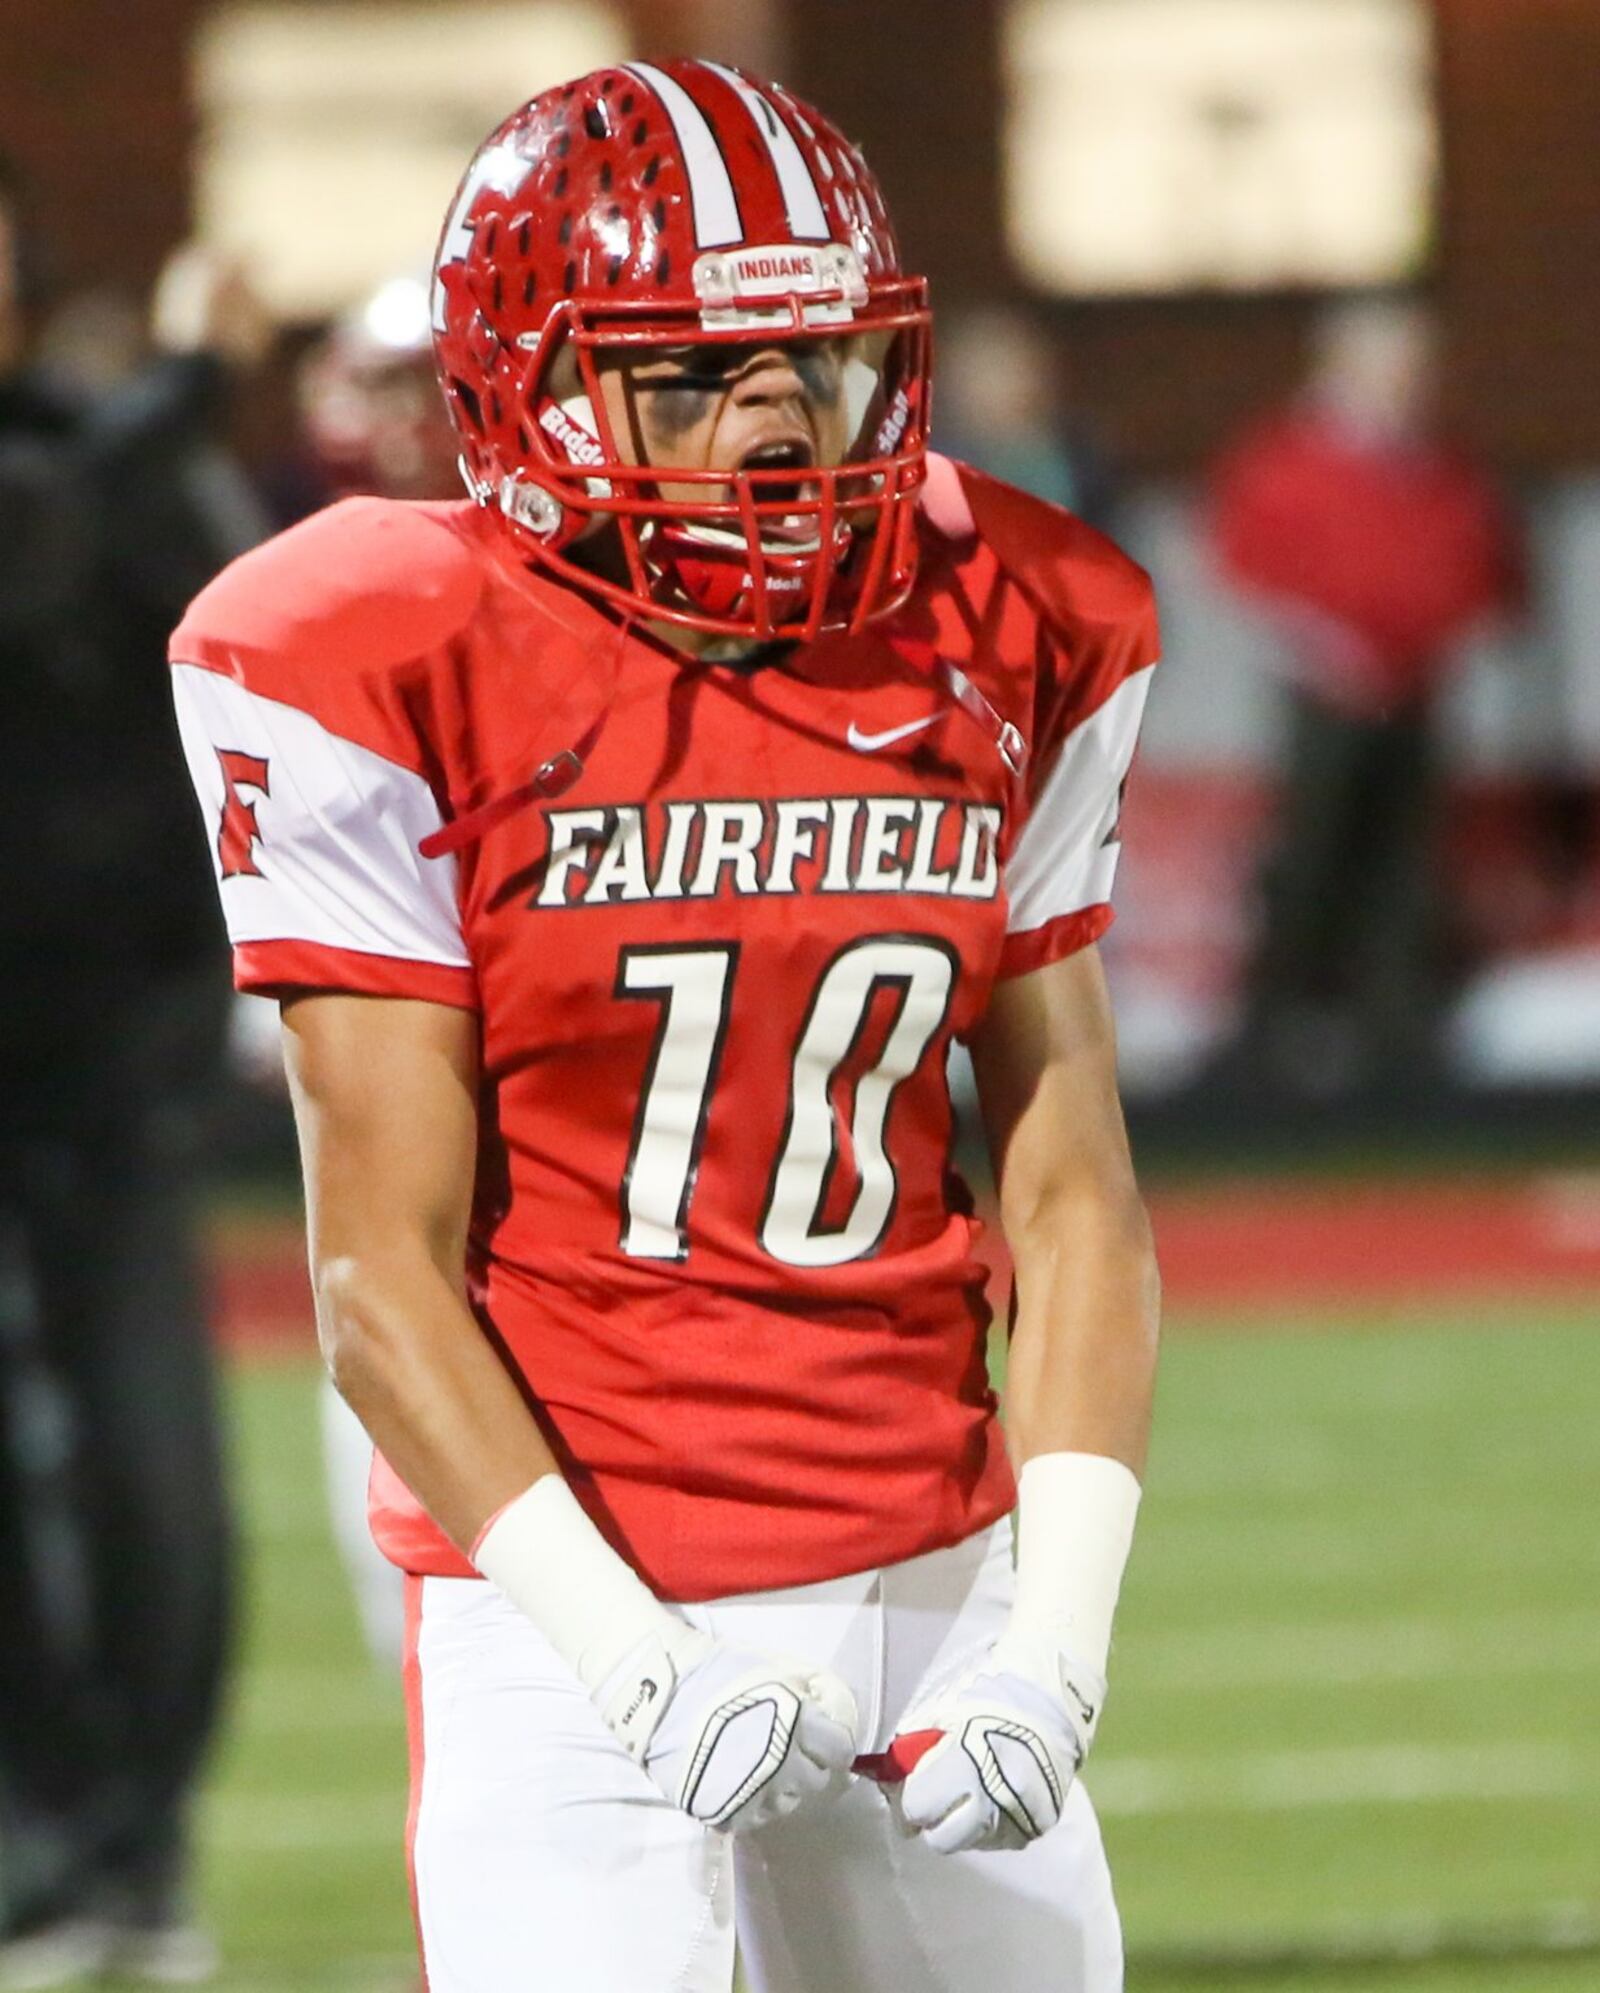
(1286, 1246)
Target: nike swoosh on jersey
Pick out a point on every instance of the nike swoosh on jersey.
(870, 743)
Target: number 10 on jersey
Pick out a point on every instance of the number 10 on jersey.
(695, 990)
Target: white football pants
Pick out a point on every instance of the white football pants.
(544, 1861)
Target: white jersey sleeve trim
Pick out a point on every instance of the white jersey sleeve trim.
(329, 832)
(1065, 856)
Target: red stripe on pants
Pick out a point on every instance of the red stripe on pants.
(412, 1675)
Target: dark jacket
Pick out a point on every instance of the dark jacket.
(112, 516)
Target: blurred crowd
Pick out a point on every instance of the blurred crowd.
(118, 498)
(142, 445)
(1331, 891)
(141, 448)
(1363, 549)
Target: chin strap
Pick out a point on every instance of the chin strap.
(714, 576)
(551, 778)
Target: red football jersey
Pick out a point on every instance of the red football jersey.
(718, 975)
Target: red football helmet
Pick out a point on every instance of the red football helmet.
(658, 206)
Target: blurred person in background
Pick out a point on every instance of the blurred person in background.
(1376, 546)
(93, 343)
(115, 505)
(1004, 405)
(373, 420)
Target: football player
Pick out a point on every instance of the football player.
(627, 846)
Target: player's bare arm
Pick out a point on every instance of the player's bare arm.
(1081, 1373)
(385, 1097)
(1007, 1738)
(385, 1100)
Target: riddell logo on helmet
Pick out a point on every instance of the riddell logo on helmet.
(580, 446)
(892, 429)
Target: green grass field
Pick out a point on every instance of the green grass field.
(1356, 1719)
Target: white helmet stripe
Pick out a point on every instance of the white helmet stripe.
(716, 208)
(800, 196)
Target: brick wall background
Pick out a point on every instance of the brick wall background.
(94, 109)
(94, 105)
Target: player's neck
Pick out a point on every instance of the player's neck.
(711, 647)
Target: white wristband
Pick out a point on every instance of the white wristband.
(1075, 1517)
(554, 1565)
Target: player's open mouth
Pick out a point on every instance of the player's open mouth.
(795, 455)
(781, 533)
(795, 532)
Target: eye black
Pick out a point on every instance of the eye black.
(698, 367)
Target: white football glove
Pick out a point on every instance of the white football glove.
(1016, 1726)
(733, 1736)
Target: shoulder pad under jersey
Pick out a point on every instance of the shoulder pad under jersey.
(367, 584)
(1080, 579)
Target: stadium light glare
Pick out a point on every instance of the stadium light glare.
(1172, 145)
(312, 117)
